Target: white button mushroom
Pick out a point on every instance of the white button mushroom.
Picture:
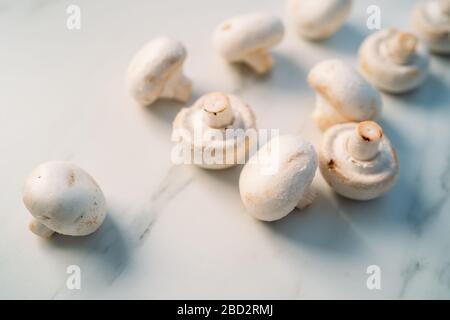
(393, 61)
(317, 20)
(278, 178)
(342, 94)
(63, 198)
(215, 127)
(156, 72)
(358, 161)
(248, 38)
(431, 20)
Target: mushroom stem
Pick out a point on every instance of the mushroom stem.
(178, 87)
(217, 112)
(260, 60)
(40, 229)
(307, 199)
(401, 46)
(445, 6)
(364, 142)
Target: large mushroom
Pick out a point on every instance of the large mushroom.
(156, 72)
(64, 199)
(394, 61)
(431, 20)
(217, 131)
(248, 38)
(358, 161)
(317, 20)
(342, 94)
(278, 178)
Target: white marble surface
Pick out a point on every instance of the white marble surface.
(182, 232)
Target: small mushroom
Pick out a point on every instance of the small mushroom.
(393, 61)
(63, 198)
(317, 20)
(156, 72)
(358, 161)
(431, 20)
(248, 38)
(216, 126)
(342, 94)
(270, 195)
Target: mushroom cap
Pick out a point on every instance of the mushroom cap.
(64, 198)
(238, 37)
(385, 73)
(353, 178)
(432, 24)
(345, 91)
(153, 66)
(191, 120)
(278, 177)
(317, 20)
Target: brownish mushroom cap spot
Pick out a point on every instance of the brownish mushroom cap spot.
(71, 178)
(331, 164)
(369, 131)
(226, 26)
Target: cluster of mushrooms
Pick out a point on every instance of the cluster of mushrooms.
(355, 158)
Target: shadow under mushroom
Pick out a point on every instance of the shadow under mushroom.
(321, 227)
(106, 252)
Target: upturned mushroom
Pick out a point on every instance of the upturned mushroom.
(248, 38)
(156, 72)
(278, 178)
(393, 61)
(342, 94)
(215, 130)
(63, 198)
(358, 161)
(431, 21)
(317, 20)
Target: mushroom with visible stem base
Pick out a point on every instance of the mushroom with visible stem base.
(431, 22)
(358, 161)
(277, 179)
(342, 94)
(211, 130)
(393, 61)
(155, 72)
(317, 20)
(248, 39)
(64, 199)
